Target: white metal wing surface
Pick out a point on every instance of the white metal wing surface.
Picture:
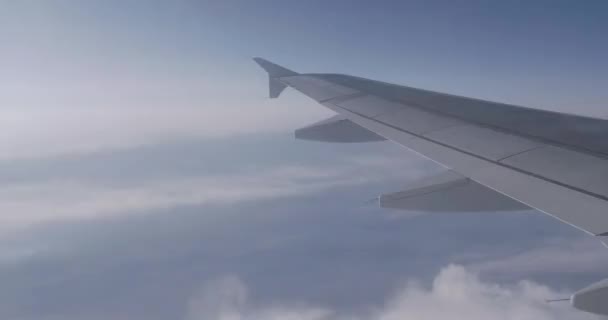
(553, 162)
(509, 156)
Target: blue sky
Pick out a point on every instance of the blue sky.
(145, 175)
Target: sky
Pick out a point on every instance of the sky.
(144, 173)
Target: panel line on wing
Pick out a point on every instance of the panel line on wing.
(522, 152)
(426, 100)
(343, 98)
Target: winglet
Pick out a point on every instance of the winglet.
(275, 86)
(274, 70)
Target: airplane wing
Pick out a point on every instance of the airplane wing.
(553, 162)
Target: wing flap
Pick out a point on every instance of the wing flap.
(484, 142)
(418, 121)
(581, 171)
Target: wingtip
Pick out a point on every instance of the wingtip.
(274, 70)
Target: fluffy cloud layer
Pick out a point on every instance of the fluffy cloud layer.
(455, 293)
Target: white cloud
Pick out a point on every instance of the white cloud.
(58, 200)
(36, 202)
(228, 299)
(456, 293)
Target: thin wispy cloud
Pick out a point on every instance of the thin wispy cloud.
(60, 199)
